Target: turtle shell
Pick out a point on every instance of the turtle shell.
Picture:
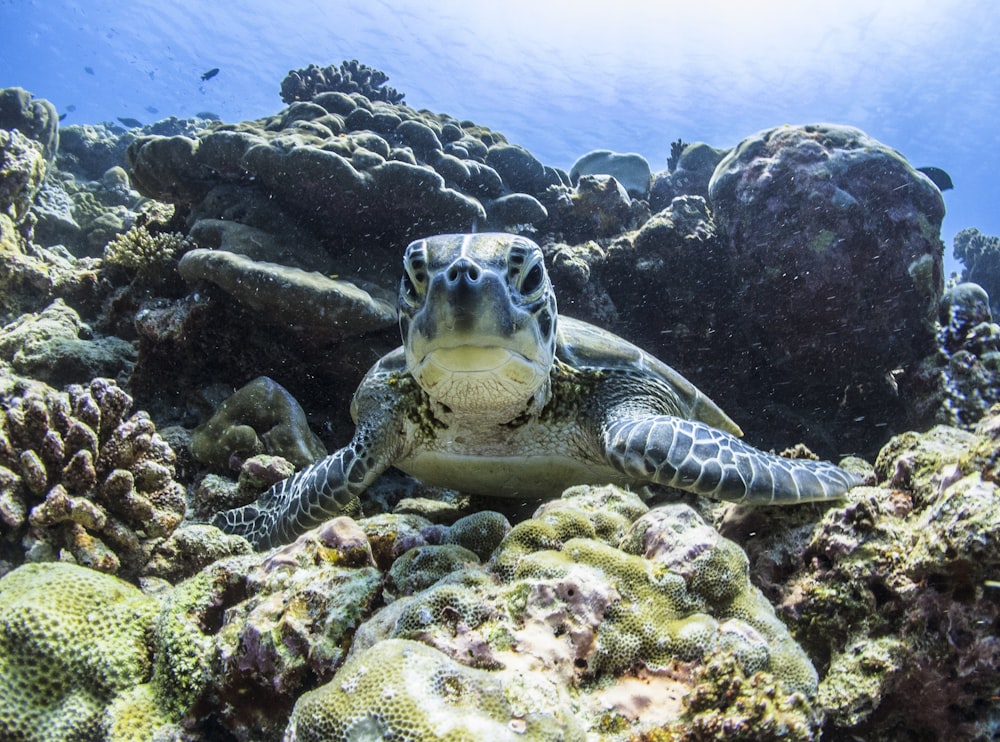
(583, 345)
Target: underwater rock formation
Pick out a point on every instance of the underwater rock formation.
(689, 175)
(840, 224)
(631, 170)
(290, 296)
(893, 594)
(260, 417)
(81, 480)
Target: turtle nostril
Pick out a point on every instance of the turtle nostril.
(463, 268)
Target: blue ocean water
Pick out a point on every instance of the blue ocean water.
(556, 76)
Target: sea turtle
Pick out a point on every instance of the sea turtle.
(492, 394)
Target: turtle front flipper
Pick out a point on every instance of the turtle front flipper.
(698, 458)
(324, 490)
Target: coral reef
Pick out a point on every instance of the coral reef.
(260, 417)
(596, 617)
(559, 632)
(82, 481)
(894, 593)
(72, 640)
(349, 77)
(631, 169)
(980, 256)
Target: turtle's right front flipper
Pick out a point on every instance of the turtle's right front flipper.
(331, 486)
(324, 490)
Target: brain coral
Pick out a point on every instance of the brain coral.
(81, 480)
(71, 640)
(410, 692)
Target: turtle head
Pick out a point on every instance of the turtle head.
(478, 319)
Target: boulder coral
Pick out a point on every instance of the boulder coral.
(260, 417)
(823, 223)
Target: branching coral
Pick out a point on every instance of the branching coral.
(144, 253)
(350, 77)
(82, 481)
(980, 254)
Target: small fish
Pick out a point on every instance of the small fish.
(210, 74)
(208, 115)
(131, 123)
(152, 109)
(938, 177)
(89, 70)
(62, 116)
(70, 108)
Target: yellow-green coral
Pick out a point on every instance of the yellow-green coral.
(71, 640)
(140, 251)
(409, 692)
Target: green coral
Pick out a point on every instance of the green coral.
(409, 692)
(480, 533)
(142, 252)
(422, 566)
(71, 641)
(727, 703)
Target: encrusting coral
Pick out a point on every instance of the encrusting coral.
(81, 480)
(894, 593)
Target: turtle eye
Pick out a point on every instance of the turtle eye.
(532, 280)
(414, 283)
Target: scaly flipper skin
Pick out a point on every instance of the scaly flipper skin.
(695, 457)
(324, 490)
(330, 487)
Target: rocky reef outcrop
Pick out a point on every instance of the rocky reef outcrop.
(147, 275)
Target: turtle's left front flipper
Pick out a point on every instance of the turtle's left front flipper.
(696, 457)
